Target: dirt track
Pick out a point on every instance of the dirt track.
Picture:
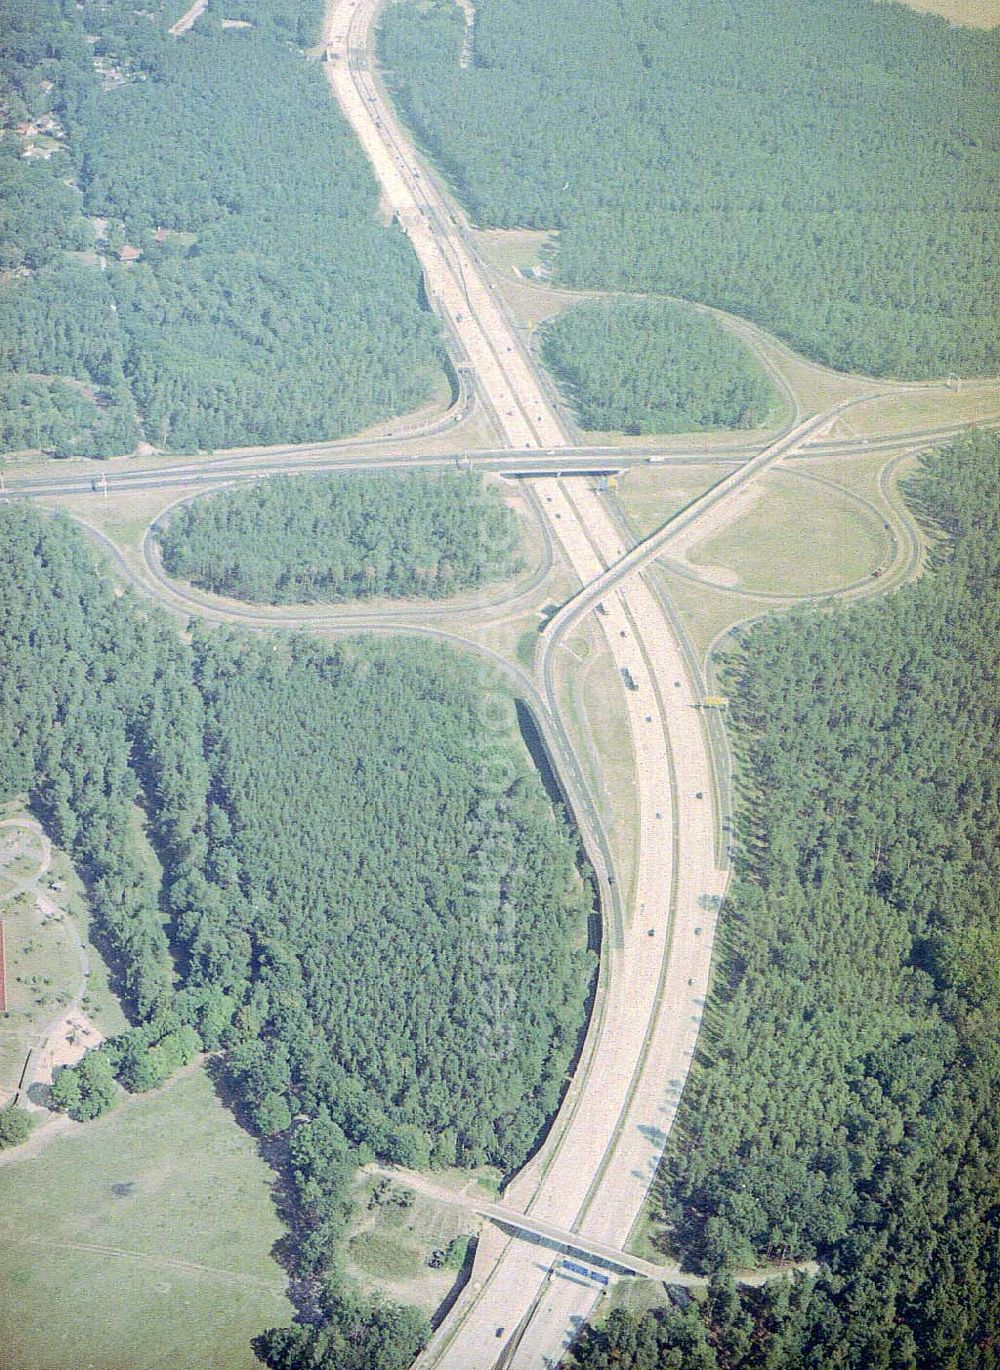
(188, 19)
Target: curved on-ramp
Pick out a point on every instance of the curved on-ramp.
(592, 1173)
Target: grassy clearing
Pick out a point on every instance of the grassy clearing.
(858, 475)
(902, 411)
(389, 1247)
(532, 302)
(485, 1181)
(593, 705)
(799, 538)
(974, 14)
(43, 962)
(815, 387)
(707, 612)
(43, 973)
(514, 251)
(635, 1295)
(20, 853)
(100, 1003)
(90, 1228)
(646, 1239)
(387, 1255)
(649, 495)
(514, 638)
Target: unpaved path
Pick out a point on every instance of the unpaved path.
(58, 1124)
(160, 1263)
(53, 1126)
(70, 1034)
(188, 19)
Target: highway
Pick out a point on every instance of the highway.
(609, 1257)
(507, 382)
(394, 454)
(549, 1233)
(586, 1186)
(592, 1174)
(682, 528)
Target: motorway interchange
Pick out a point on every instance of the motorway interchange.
(590, 1178)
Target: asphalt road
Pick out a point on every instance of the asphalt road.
(592, 1173)
(75, 477)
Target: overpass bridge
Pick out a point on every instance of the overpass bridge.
(561, 1239)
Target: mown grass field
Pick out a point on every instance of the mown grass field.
(799, 538)
(594, 707)
(976, 14)
(901, 411)
(649, 495)
(512, 250)
(140, 1240)
(707, 612)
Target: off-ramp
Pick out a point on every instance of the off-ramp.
(592, 1174)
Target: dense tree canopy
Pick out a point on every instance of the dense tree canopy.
(651, 366)
(371, 898)
(379, 865)
(843, 1104)
(268, 303)
(290, 540)
(62, 416)
(357, 1336)
(367, 898)
(825, 167)
(80, 672)
(15, 1125)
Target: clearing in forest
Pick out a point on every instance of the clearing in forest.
(158, 1218)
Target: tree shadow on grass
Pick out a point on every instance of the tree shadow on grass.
(302, 1292)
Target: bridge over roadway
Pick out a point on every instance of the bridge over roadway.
(611, 1258)
(547, 1233)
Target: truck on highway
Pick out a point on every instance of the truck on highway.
(576, 1268)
